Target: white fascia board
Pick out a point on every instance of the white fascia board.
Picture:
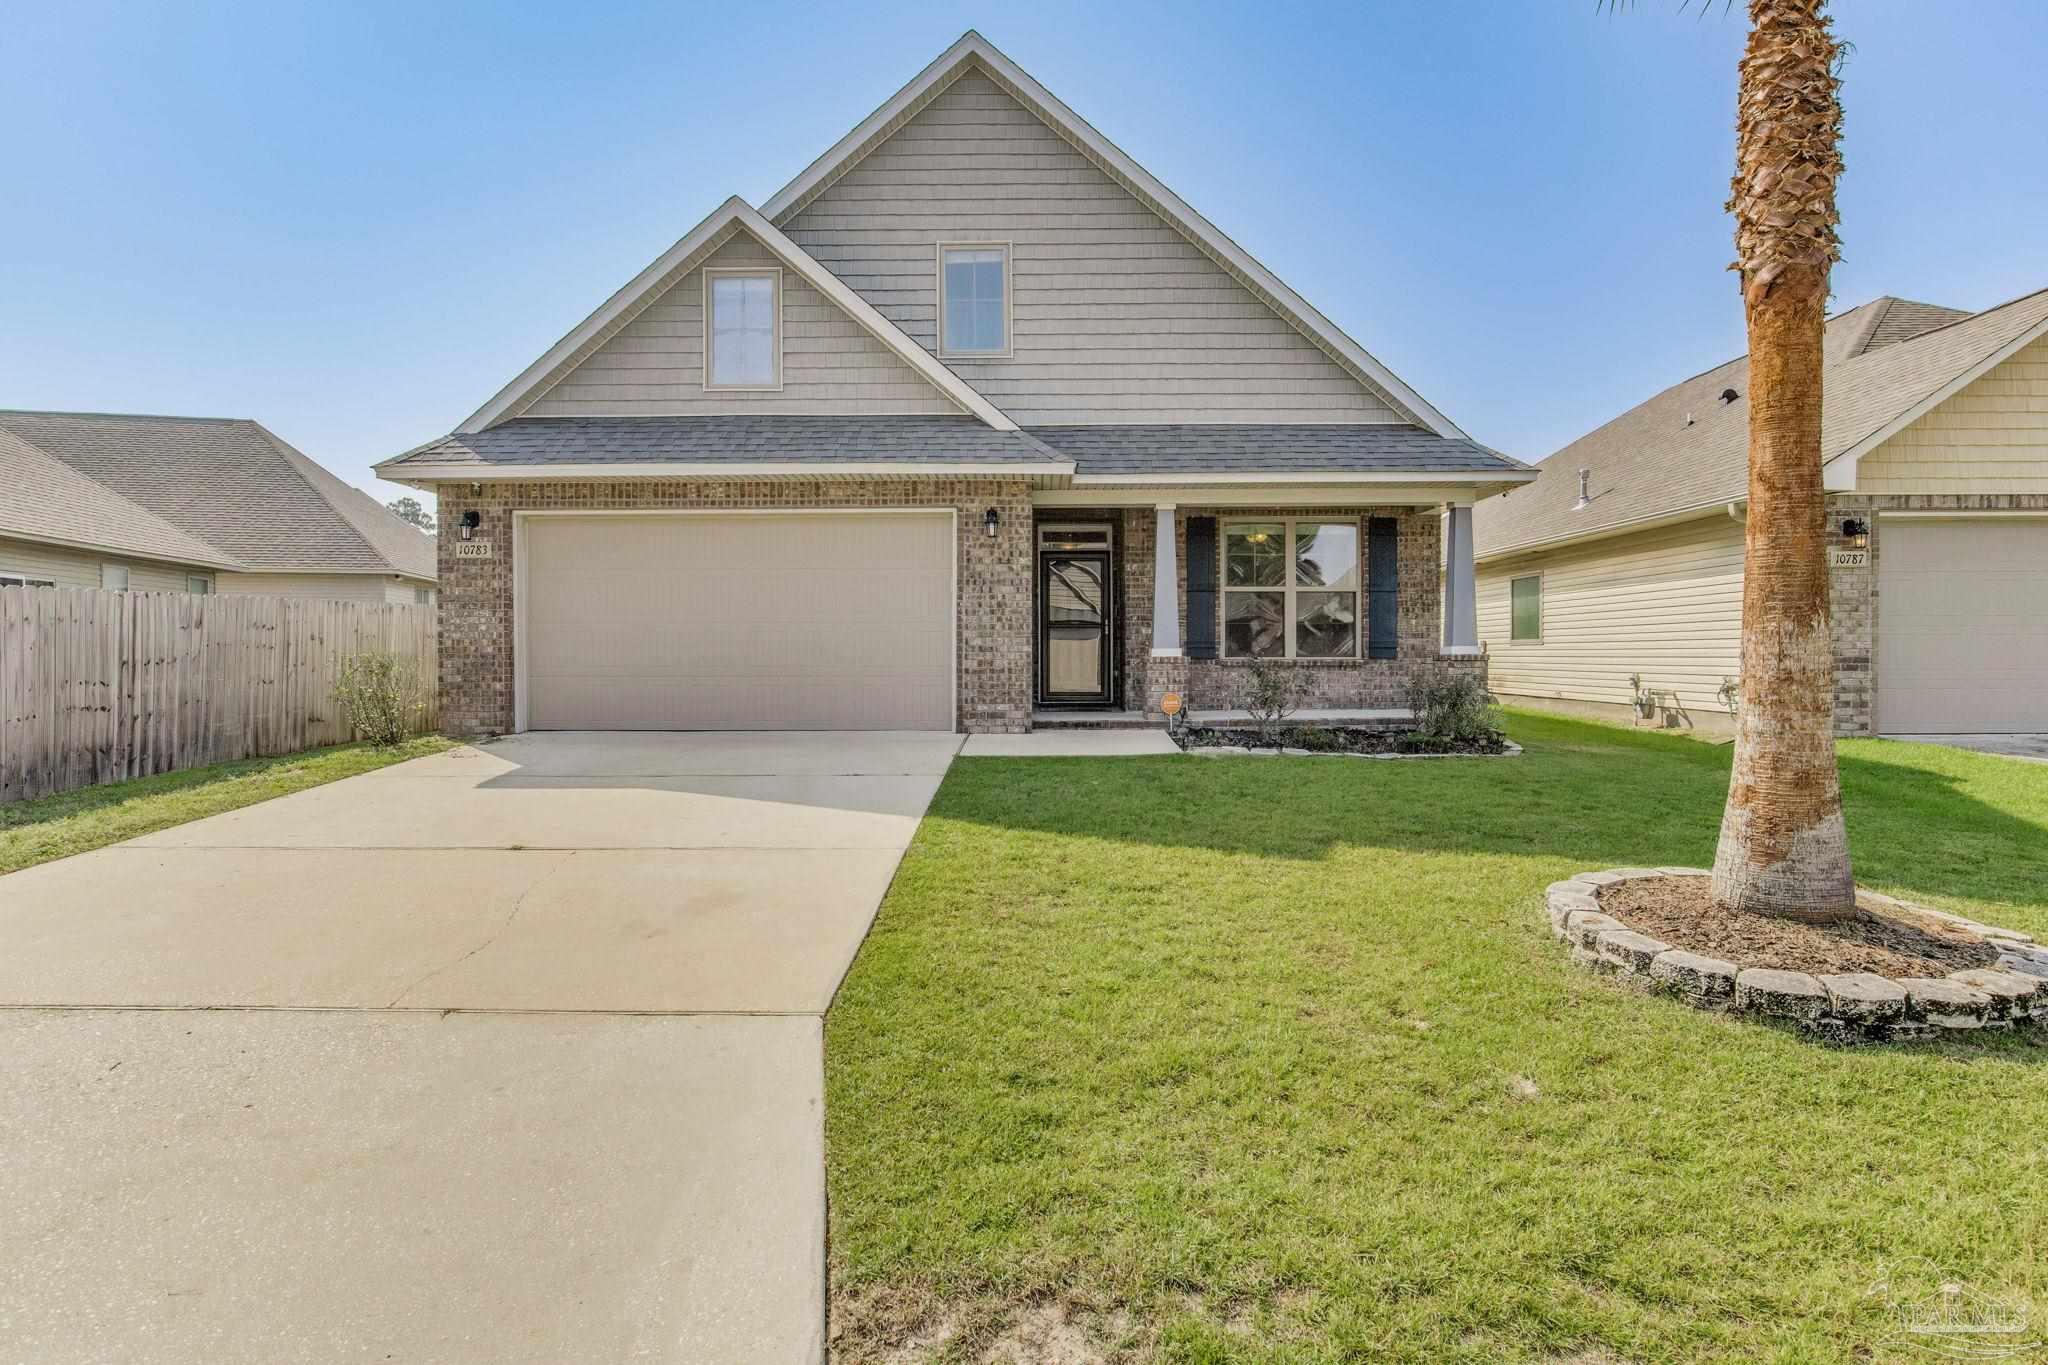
(419, 475)
(1716, 507)
(734, 212)
(1260, 495)
(31, 536)
(972, 46)
(1253, 478)
(1838, 473)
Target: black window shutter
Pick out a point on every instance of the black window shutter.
(1382, 576)
(1201, 549)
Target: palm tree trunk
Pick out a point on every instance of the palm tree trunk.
(1784, 850)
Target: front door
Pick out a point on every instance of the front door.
(1073, 627)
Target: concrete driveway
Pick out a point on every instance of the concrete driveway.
(2033, 748)
(508, 1054)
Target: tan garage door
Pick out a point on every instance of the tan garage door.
(799, 621)
(1961, 648)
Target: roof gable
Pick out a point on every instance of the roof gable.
(1685, 453)
(975, 53)
(618, 312)
(654, 365)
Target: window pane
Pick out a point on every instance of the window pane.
(1254, 623)
(1325, 625)
(742, 329)
(1255, 554)
(114, 577)
(1526, 609)
(1326, 554)
(974, 299)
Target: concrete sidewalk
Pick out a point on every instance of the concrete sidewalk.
(253, 1132)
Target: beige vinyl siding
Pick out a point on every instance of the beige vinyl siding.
(655, 365)
(71, 568)
(1665, 603)
(1117, 316)
(346, 587)
(1990, 438)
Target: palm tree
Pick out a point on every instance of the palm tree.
(1784, 850)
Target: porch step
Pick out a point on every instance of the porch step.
(1094, 720)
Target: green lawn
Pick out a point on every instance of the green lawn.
(71, 822)
(1214, 1060)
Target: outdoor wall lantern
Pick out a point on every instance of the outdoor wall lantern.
(1856, 534)
(470, 521)
(990, 520)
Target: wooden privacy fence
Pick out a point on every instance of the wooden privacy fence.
(100, 686)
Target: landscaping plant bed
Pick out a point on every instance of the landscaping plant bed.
(1895, 972)
(1354, 741)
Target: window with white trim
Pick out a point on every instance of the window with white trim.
(1290, 588)
(11, 579)
(1525, 608)
(198, 583)
(114, 577)
(974, 299)
(742, 329)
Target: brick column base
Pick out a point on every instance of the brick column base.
(1163, 676)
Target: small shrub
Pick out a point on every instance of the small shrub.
(1270, 691)
(1453, 705)
(380, 696)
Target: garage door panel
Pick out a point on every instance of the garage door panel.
(1960, 645)
(818, 621)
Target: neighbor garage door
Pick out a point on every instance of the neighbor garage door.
(797, 621)
(1960, 644)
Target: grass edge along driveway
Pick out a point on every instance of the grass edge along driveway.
(1223, 1061)
(47, 827)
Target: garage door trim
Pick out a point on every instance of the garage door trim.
(520, 598)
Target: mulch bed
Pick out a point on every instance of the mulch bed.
(1680, 911)
(1338, 739)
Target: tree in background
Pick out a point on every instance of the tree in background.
(409, 509)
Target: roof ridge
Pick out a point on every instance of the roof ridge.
(124, 416)
(1957, 322)
(219, 558)
(296, 459)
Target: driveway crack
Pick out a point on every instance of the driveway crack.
(489, 939)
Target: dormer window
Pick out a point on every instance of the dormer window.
(974, 299)
(743, 329)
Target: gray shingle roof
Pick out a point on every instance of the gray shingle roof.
(1117, 449)
(1270, 448)
(234, 486)
(741, 439)
(48, 500)
(1649, 463)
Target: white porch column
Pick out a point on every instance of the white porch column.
(1461, 599)
(1165, 588)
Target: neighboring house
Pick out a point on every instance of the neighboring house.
(192, 504)
(1935, 439)
(973, 420)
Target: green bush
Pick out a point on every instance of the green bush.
(381, 697)
(1453, 705)
(1269, 691)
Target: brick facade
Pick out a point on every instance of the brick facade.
(1854, 606)
(994, 589)
(1212, 684)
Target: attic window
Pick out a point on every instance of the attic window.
(974, 299)
(743, 329)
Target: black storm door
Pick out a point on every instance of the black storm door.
(1073, 627)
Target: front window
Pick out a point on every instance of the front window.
(1525, 608)
(1290, 589)
(114, 577)
(742, 329)
(974, 300)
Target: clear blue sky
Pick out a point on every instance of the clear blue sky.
(355, 221)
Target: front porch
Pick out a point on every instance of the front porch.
(1137, 595)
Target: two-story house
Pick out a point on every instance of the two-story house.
(973, 420)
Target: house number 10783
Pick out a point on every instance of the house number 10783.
(472, 549)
